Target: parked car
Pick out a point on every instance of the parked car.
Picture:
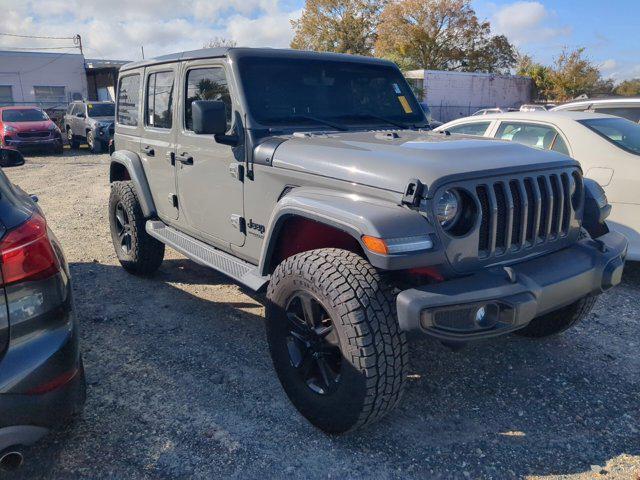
(90, 123)
(607, 147)
(313, 175)
(628, 108)
(28, 127)
(532, 108)
(487, 111)
(41, 374)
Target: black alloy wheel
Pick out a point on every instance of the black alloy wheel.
(312, 343)
(123, 228)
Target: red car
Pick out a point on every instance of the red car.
(24, 127)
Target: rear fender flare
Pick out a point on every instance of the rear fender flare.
(133, 165)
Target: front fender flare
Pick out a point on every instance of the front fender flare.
(354, 214)
(131, 161)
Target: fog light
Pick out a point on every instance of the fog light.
(486, 316)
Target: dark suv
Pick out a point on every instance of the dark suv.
(41, 374)
(90, 122)
(317, 176)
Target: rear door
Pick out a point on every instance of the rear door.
(157, 145)
(210, 190)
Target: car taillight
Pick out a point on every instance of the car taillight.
(26, 252)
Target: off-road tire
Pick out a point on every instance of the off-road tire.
(374, 350)
(558, 321)
(146, 253)
(74, 144)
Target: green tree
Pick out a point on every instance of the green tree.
(628, 88)
(573, 74)
(441, 35)
(342, 26)
(540, 74)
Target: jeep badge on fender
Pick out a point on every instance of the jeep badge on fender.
(374, 226)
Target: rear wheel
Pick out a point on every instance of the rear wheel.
(558, 321)
(334, 339)
(137, 251)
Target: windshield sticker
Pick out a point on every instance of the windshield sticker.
(396, 88)
(405, 104)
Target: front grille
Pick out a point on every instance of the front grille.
(28, 135)
(523, 212)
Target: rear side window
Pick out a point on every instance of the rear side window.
(476, 128)
(206, 84)
(159, 100)
(533, 135)
(128, 100)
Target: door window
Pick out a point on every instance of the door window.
(206, 84)
(533, 135)
(128, 100)
(159, 100)
(475, 128)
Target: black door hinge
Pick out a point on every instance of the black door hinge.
(413, 193)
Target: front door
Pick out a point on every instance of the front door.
(209, 191)
(157, 144)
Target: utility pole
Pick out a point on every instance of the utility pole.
(78, 41)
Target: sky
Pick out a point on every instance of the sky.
(116, 29)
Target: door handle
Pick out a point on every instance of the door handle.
(185, 159)
(149, 150)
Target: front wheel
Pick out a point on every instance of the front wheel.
(558, 321)
(334, 339)
(72, 140)
(94, 145)
(138, 252)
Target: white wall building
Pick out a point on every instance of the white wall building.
(452, 95)
(43, 79)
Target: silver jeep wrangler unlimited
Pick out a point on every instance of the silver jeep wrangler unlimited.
(317, 177)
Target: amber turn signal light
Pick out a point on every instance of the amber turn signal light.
(376, 245)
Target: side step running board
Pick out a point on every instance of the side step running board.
(206, 255)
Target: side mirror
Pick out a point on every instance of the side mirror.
(209, 117)
(10, 158)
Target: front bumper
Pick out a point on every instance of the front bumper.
(514, 295)
(33, 143)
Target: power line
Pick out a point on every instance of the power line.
(37, 48)
(36, 36)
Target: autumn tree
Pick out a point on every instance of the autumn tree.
(220, 42)
(628, 88)
(441, 35)
(343, 26)
(573, 74)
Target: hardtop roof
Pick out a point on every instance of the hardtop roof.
(238, 52)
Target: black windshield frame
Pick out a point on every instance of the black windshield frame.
(332, 90)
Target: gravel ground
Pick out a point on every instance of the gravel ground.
(181, 385)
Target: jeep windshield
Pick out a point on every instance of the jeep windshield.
(296, 92)
(101, 109)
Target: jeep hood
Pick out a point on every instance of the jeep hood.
(389, 160)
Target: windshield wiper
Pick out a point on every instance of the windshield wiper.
(322, 121)
(381, 119)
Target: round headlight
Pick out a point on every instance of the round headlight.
(447, 208)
